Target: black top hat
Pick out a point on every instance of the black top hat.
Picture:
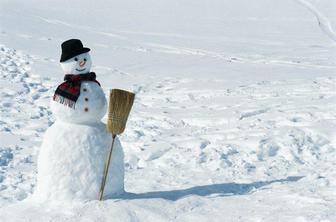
(72, 48)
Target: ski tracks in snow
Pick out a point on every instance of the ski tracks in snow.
(323, 21)
(24, 118)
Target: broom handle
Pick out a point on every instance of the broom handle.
(106, 168)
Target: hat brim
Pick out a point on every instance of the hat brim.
(73, 54)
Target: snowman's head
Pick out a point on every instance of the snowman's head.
(79, 64)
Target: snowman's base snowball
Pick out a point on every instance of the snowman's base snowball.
(71, 163)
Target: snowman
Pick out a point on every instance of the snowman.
(74, 148)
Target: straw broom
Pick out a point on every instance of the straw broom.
(120, 105)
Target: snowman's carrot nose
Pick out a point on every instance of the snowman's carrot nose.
(82, 63)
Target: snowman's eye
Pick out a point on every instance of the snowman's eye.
(76, 59)
(84, 59)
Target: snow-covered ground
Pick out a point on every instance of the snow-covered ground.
(234, 118)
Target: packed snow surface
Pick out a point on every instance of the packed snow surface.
(234, 117)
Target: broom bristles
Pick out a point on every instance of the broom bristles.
(120, 105)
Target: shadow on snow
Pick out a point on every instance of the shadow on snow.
(224, 189)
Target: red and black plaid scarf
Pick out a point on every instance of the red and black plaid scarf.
(68, 92)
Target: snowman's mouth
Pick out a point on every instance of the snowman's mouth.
(79, 70)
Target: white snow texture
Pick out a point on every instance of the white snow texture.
(71, 163)
(234, 118)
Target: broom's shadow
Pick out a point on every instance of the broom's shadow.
(224, 189)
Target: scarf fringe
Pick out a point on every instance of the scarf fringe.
(64, 101)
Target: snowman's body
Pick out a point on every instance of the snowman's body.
(90, 107)
(74, 150)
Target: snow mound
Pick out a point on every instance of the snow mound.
(71, 163)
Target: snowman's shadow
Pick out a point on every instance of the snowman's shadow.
(224, 189)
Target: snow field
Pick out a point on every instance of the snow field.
(189, 150)
(243, 133)
(234, 118)
(24, 118)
